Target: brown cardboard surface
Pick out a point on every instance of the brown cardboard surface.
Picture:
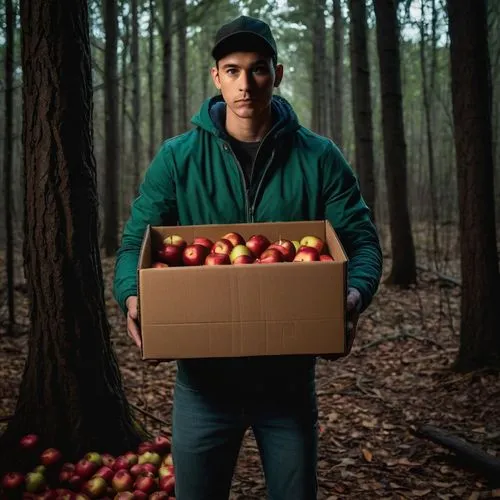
(248, 310)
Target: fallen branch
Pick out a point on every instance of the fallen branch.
(150, 415)
(466, 453)
(442, 277)
(398, 336)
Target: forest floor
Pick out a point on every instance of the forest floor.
(397, 377)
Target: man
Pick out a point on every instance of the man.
(248, 159)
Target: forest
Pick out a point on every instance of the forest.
(409, 91)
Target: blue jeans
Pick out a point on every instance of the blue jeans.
(207, 432)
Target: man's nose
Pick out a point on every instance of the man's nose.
(245, 80)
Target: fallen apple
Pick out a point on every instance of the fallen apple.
(145, 446)
(75, 482)
(140, 495)
(326, 258)
(244, 259)
(67, 470)
(150, 457)
(313, 242)
(168, 459)
(50, 457)
(217, 259)
(167, 483)
(222, 246)
(145, 483)
(165, 470)
(85, 468)
(29, 441)
(124, 495)
(13, 481)
(176, 240)
(136, 469)
(105, 472)
(206, 242)
(149, 467)
(122, 481)
(306, 254)
(160, 495)
(162, 443)
(257, 243)
(234, 238)
(93, 456)
(34, 482)
(270, 256)
(108, 459)
(95, 487)
(120, 463)
(238, 251)
(170, 254)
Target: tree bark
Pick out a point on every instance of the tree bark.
(8, 145)
(167, 119)
(136, 97)
(111, 183)
(338, 75)
(151, 65)
(361, 102)
(71, 392)
(403, 272)
(472, 104)
(182, 73)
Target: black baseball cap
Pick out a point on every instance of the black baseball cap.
(247, 34)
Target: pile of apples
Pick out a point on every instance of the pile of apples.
(146, 473)
(232, 248)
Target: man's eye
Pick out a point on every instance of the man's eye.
(260, 70)
(231, 71)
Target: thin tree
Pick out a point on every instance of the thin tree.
(167, 118)
(71, 392)
(338, 74)
(472, 105)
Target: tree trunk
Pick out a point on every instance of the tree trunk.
(111, 183)
(71, 392)
(167, 121)
(319, 100)
(403, 270)
(136, 97)
(182, 73)
(124, 163)
(471, 98)
(151, 66)
(8, 145)
(338, 75)
(361, 101)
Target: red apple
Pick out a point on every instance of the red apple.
(165, 470)
(67, 470)
(122, 481)
(95, 487)
(162, 443)
(159, 495)
(286, 247)
(85, 468)
(50, 457)
(124, 495)
(63, 494)
(170, 254)
(217, 259)
(145, 446)
(148, 467)
(313, 242)
(243, 259)
(222, 246)
(257, 243)
(145, 483)
(75, 482)
(306, 254)
(106, 473)
(159, 265)
(34, 482)
(108, 459)
(206, 242)
(137, 469)
(270, 256)
(140, 495)
(167, 483)
(29, 441)
(326, 258)
(120, 463)
(238, 251)
(234, 238)
(194, 255)
(176, 240)
(12, 481)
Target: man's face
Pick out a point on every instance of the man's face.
(246, 81)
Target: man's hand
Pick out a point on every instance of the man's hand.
(133, 329)
(353, 303)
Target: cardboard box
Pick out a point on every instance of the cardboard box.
(245, 310)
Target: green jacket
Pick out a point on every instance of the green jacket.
(299, 175)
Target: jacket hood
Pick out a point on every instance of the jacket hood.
(212, 113)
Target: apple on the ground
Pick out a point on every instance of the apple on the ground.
(50, 457)
(145, 483)
(95, 487)
(105, 472)
(238, 251)
(170, 254)
(12, 481)
(29, 441)
(159, 495)
(145, 446)
(140, 495)
(270, 256)
(107, 459)
(306, 254)
(194, 255)
(313, 242)
(168, 459)
(217, 259)
(234, 238)
(257, 243)
(165, 470)
(122, 481)
(167, 483)
(206, 242)
(34, 482)
(93, 456)
(85, 468)
(162, 443)
(176, 240)
(67, 470)
(121, 462)
(326, 258)
(150, 457)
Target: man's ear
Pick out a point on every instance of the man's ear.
(215, 77)
(278, 75)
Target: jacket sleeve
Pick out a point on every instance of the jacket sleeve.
(352, 220)
(155, 205)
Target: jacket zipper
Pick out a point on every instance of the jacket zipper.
(245, 186)
(252, 208)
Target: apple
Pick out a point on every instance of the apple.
(194, 255)
(105, 472)
(75, 482)
(286, 247)
(50, 457)
(40, 468)
(140, 495)
(93, 456)
(48, 494)
(29, 441)
(168, 459)
(244, 259)
(206, 242)
(162, 443)
(107, 459)
(176, 240)
(85, 468)
(159, 265)
(159, 495)
(296, 244)
(150, 457)
(326, 258)
(67, 470)
(234, 238)
(217, 259)
(145, 483)
(95, 487)
(170, 254)
(313, 242)
(137, 469)
(13, 481)
(222, 246)
(257, 243)
(270, 256)
(145, 446)
(238, 251)
(131, 457)
(306, 254)
(124, 495)
(63, 494)
(165, 470)
(34, 482)
(122, 481)
(167, 483)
